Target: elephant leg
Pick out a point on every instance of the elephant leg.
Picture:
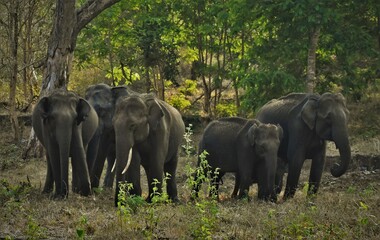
(49, 181)
(92, 151)
(79, 164)
(110, 176)
(155, 177)
(133, 176)
(318, 162)
(295, 166)
(171, 183)
(236, 187)
(55, 167)
(244, 186)
(98, 165)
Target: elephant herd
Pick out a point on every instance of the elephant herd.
(129, 129)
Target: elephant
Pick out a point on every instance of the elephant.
(103, 98)
(64, 123)
(308, 121)
(245, 147)
(148, 132)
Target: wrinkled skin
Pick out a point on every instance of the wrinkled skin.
(64, 123)
(245, 147)
(103, 98)
(148, 132)
(308, 121)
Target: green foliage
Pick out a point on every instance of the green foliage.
(156, 195)
(226, 110)
(263, 86)
(35, 231)
(203, 174)
(128, 204)
(179, 101)
(81, 228)
(188, 88)
(10, 194)
(206, 221)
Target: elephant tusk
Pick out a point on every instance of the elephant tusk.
(114, 165)
(129, 161)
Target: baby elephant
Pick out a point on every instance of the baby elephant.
(245, 147)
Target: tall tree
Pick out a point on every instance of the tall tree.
(68, 22)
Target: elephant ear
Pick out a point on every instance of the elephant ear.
(83, 109)
(155, 113)
(280, 131)
(251, 134)
(309, 112)
(43, 107)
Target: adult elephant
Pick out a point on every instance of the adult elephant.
(245, 147)
(103, 98)
(308, 121)
(148, 131)
(64, 123)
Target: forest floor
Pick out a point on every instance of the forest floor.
(345, 208)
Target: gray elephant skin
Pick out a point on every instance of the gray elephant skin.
(64, 123)
(102, 146)
(245, 147)
(148, 132)
(308, 121)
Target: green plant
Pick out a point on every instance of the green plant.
(179, 101)
(34, 230)
(160, 197)
(13, 193)
(365, 219)
(128, 204)
(81, 229)
(188, 146)
(205, 222)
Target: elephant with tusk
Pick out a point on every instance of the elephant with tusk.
(148, 131)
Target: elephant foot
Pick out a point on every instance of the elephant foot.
(59, 196)
(47, 191)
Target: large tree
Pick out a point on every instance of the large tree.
(68, 22)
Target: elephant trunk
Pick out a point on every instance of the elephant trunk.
(340, 138)
(270, 168)
(64, 142)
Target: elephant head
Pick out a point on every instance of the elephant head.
(101, 98)
(135, 118)
(327, 115)
(265, 140)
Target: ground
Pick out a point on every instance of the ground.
(345, 207)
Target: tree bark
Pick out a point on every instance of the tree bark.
(311, 60)
(13, 46)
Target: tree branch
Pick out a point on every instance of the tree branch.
(90, 10)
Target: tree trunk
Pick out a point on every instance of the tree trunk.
(67, 24)
(13, 42)
(311, 60)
